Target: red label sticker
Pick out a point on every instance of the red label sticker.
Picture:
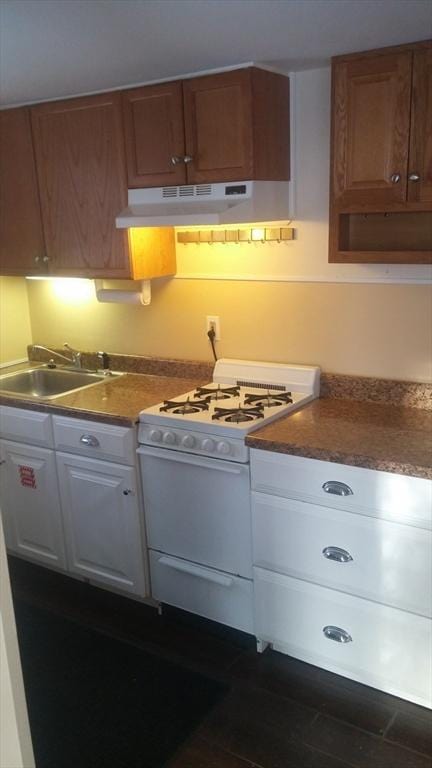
(27, 476)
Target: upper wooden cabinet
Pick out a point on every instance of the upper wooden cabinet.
(372, 102)
(224, 127)
(381, 156)
(420, 152)
(82, 183)
(81, 166)
(22, 249)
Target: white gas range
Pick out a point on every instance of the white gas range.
(214, 419)
(196, 484)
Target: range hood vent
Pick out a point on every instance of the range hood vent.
(237, 202)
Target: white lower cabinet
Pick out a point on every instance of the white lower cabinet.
(343, 570)
(101, 519)
(30, 503)
(377, 645)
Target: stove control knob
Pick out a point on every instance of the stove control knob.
(208, 444)
(223, 448)
(188, 441)
(155, 435)
(169, 438)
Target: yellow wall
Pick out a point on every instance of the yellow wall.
(15, 332)
(371, 330)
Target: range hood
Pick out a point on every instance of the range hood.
(237, 202)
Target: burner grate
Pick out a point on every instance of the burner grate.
(237, 415)
(269, 399)
(184, 407)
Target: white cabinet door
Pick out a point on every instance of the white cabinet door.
(30, 503)
(101, 519)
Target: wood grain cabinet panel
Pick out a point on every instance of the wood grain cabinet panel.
(154, 132)
(82, 180)
(22, 247)
(381, 156)
(224, 127)
(371, 129)
(420, 155)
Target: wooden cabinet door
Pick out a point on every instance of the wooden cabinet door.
(371, 122)
(101, 519)
(82, 179)
(154, 134)
(21, 238)
(30, 503)
(218, 125)
(420, 157)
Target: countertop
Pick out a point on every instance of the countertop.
(379, 436)
(116, 401)
(375, 436)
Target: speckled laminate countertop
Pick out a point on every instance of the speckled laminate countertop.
(375, 436)
(114, 401)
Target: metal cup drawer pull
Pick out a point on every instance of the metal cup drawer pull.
(338, 554)
(337, 634)
(339, 489)
(89, 440)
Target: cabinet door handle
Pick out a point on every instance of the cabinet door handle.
(395, 178)
(176, 159)
(414, 177)
(89, 440)
(337, 488)
(196, 570)
(337, 634)
(337, 554)
(187, 159)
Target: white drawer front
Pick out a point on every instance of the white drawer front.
(201, 590)
(391, 563)
(99, 441)
(26, 426)
(389, 649)
(381, 494)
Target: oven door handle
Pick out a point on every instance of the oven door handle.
(196, 570)
(197, 461)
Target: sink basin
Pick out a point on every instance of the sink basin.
(48, 383)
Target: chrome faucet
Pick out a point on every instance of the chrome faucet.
(75, 358)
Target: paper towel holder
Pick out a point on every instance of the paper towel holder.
(113, 295)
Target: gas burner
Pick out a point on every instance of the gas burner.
(238, 415)
(217, 393)
(269, 399)
(184, 407)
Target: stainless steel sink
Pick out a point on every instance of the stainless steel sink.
(49, 383)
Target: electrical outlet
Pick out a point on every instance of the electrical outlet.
(212, 321)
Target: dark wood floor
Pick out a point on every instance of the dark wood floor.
(279, 712)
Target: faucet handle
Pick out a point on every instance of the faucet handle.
(104, 359)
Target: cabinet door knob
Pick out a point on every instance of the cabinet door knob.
(337, 488)
(2, 461)
(395, 178)
(128, 492)
(176, 159)
(187, 159)
(337, 554)
(46, 259)
(414, 177)
(89, 440)
(37, 259)
(337, 634)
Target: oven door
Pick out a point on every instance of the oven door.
(198, 508)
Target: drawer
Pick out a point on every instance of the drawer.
(384, 647)
(390, 563)
(90, 438)
(201, 590)
(381, 494)
(26, 426)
